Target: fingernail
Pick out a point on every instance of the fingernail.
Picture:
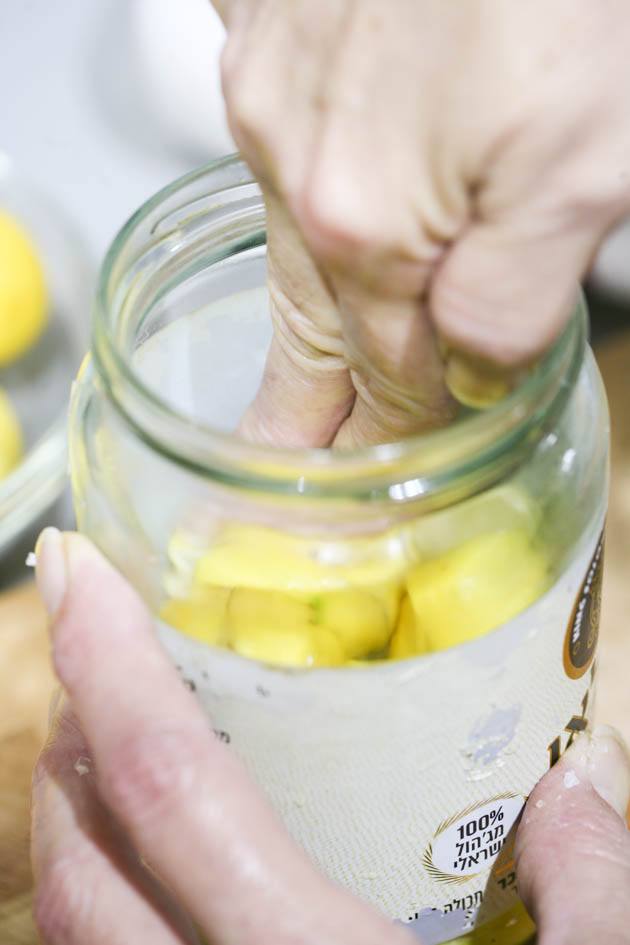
(475, 382)
(602, 758)
(51, 570)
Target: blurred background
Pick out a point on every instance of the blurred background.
(103, 103)
(109, 101)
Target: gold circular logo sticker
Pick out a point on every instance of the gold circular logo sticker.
(580, 641)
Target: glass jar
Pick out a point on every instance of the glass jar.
(398, 641)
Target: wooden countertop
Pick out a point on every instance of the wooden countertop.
(26, 680)
(26, 684)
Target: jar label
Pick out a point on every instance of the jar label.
(404, 780)
(583, 630)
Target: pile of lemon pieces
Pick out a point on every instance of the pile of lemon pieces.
(272, 597)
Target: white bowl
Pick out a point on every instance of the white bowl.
(39, 382)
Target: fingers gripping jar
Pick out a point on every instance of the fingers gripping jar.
(397, 641)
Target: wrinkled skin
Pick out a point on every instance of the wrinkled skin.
(431, 167)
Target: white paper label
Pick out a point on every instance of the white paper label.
(470, 843)
(404, 781)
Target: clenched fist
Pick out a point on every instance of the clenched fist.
(433, 169)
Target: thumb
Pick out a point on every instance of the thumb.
(573, 846)
(505, 290)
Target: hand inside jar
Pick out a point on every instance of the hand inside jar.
(436, 176)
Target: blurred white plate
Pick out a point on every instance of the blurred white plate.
(176, 48)
(39, 382)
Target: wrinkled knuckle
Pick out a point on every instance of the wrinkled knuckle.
(605, 197)
(334, 230)
(247, 111)
(152, 774)
(64, 902)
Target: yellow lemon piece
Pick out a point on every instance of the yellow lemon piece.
(408, 638)
(505, 508)
(486, 581)
(258, 558)
(250, 609)
(289, 583)
(253, 556)
(11, 446)
(23, 296)
(304, 647)
(274, 628)
(357, 618)
(203, 618)
(389, 595)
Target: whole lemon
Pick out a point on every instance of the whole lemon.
(10, 436)
(23, 296)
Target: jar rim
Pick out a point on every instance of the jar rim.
(420, 465)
